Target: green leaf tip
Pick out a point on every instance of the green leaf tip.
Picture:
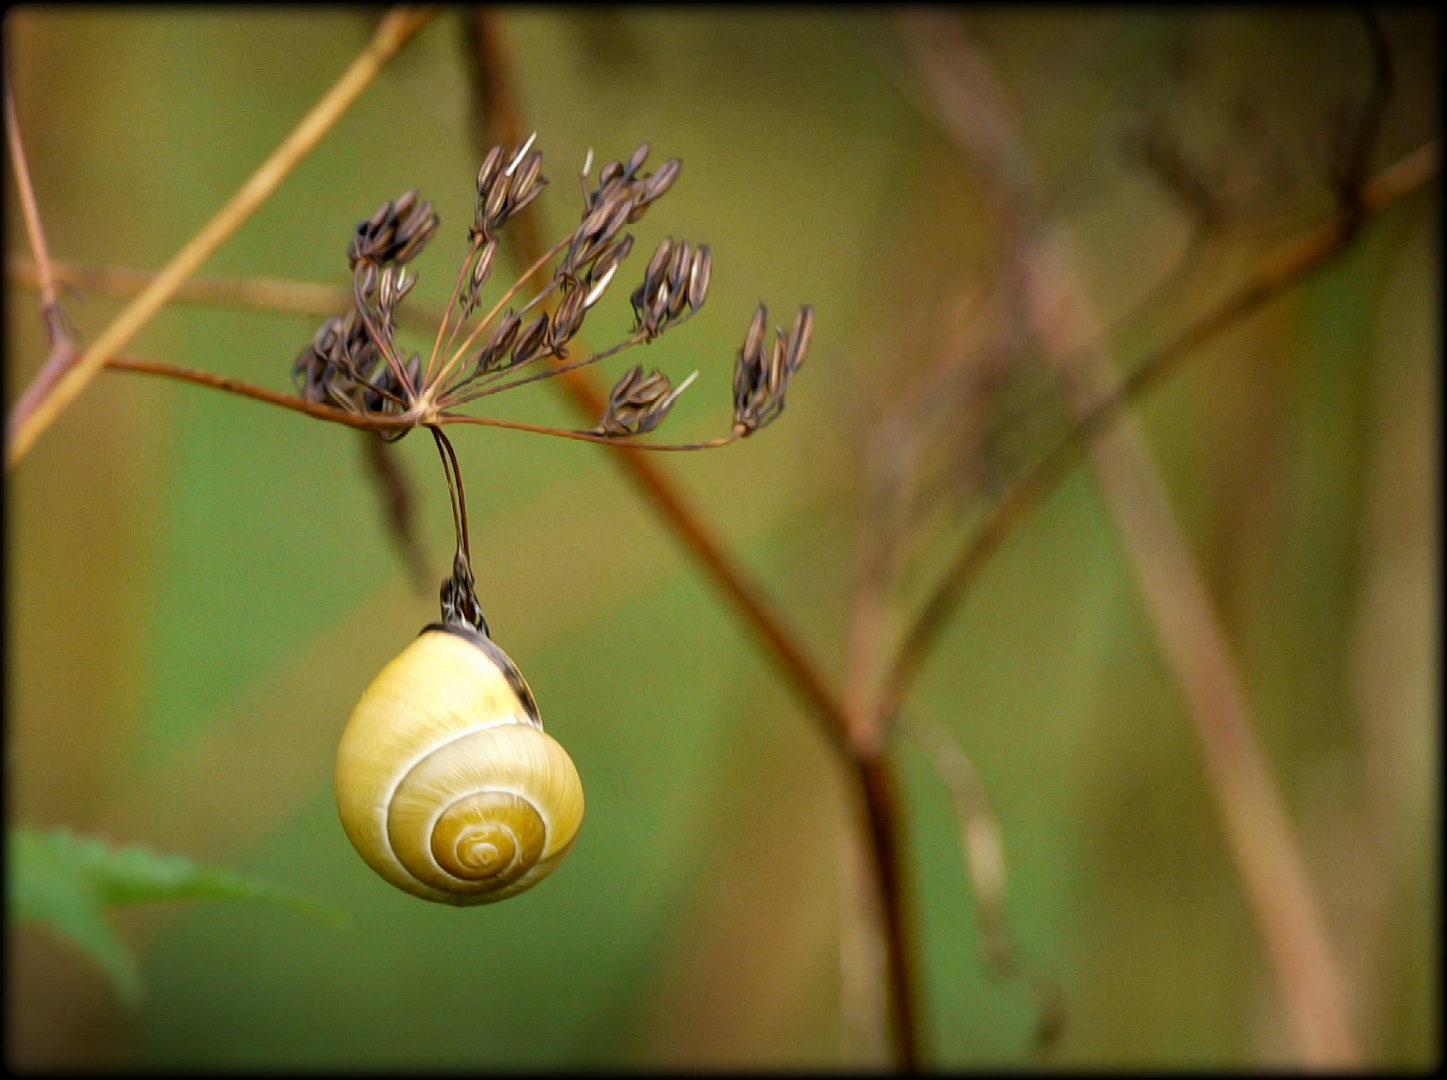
(67, 882)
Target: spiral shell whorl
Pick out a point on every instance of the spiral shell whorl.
(446, 783)
(486, 836)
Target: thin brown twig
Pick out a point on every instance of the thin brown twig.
(281, 295)
(984, 856)
(369, 422)
(537, 264)
(462, 274)
(396, 28)
(28, 206)
(1287, 267)
(63, 353)
(303, 298)
(1278, 272)
(588, 436)
(497, 383)
(887, 833)
(375, 422)
(1051, 303)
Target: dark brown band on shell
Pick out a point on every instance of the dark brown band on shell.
(501, 659)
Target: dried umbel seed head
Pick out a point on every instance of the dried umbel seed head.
(616, 177)
(655, 186)
(699, 273)
(338, 364)
(532, 341)
(761, 379)
(505, 185)
(638, 405)
(397, 232)
(568, 320)
(355, 363)
(477, 278)
(493, 355)
(622, 196)
(600, 225)
(677, 278)
(608, 260)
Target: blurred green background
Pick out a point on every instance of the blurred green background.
(199, 587)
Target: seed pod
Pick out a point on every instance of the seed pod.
(612, 257)
(800, 336)
(594, 220)
(679, 265)
(380, 238)
(619, 210)
(483, 267)
(491, 169)
(662, 180)
(597, 287)
(658, 312)
(777, 370)
(568, 319)
(507, 332)
(414, 233)
(496, 200)
(678, 270)
(528, 172)
(532, 340)
(636, 161)
(366, 277)
(610, 172)
(698, 277)
(608, 257)
(502, 339)
(532, 193)
(659, 260)
(755, 337)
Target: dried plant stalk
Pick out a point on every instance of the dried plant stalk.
(282, 295)
(397, 27)
(1053, 299)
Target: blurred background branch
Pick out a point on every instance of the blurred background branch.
(62, 349)
(1048, 294)
(258, 293)
(25, 425)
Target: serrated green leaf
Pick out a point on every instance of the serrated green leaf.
(67, 882)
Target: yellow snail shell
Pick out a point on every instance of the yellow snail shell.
(447, 784)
